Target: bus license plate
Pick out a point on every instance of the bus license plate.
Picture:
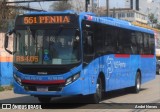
(42, 89)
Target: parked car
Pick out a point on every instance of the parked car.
(158, 67)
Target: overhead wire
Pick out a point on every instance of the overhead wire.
(40, 5)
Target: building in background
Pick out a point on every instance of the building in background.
(129, 15)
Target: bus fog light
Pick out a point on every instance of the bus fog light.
(72, 79)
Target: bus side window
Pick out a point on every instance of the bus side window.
(127, 42)
(121, 42)
(134, 43)
(88, 43)
(110, 40)
(151, 44)
(146, 43)
(124, 42)
(140, 42)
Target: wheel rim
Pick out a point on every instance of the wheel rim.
(98, 89)
(138, 83)
(159, 71)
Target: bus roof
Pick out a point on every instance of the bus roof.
(118, 23)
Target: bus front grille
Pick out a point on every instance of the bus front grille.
(50, 88)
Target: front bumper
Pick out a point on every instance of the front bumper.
(74, 88)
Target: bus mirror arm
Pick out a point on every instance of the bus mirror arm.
(6, 42)
(85, 63)
(8, 51)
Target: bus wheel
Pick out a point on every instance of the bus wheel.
(137, 86)
(98, 95)
(44, 99)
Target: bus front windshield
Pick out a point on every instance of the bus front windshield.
(52, 47)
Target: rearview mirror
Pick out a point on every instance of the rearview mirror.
(6, 41)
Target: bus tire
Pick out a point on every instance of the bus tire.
(137, 86)
(44, 99)
(97, 97)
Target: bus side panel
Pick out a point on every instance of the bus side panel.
(85, 83)
(110, 73)
(94, 73)
(91, 72)
(117, 71)
(122, 66)
(135, 65)
(85, 80)
(148, 68)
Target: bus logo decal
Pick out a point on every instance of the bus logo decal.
(109, 66)
(112, 64)
(46, 58)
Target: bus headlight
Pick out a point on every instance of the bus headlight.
(69, 80)
(72, 79)
(17, 79)
(75, 77)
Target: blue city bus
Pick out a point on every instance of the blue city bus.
(65, 54)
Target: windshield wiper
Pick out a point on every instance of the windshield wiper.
(59, 31)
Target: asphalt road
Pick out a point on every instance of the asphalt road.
(119, 99)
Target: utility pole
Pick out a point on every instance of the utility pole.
(92, 5)
(107, 7)
(86, 5)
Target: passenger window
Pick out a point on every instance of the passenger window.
(124, 42)
(110, 40)
(140, 42)
(99, 39)
(88, 43)
(134, 43)
(146, 44)
(151, 44)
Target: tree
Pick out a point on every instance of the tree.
(158, 26)
(78, 6)
(61, 5)
(152, 19)
(7, 13)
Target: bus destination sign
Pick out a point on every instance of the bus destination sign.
(50, 19)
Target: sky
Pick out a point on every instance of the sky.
(113, 3)
(144, 4)
(37, 5)
(46, 5)
(41, 5)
